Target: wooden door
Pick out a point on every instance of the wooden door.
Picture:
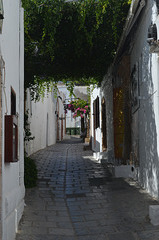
(118, 122)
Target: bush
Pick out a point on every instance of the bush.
(30, 172)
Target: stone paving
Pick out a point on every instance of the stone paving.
(77, 199)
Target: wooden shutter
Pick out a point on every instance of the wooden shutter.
(97, 112)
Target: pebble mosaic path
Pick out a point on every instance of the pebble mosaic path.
(77, 199)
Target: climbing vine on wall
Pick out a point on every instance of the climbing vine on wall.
(28, 135)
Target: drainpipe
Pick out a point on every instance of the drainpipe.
(2, 103)
(21, 96)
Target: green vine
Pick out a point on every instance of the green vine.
(28, 135)
(43, 86)
(70, 41)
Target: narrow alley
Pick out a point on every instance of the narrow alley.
(77, 199)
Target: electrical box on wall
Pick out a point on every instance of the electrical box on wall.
(11, 138)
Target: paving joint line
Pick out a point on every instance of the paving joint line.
(65, 197)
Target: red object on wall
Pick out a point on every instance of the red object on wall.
(11, 138)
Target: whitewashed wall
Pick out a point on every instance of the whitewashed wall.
(146, 119)
(43, 121)
(107, 93)
(12, 50)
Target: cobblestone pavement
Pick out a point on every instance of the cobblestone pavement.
(77, 199)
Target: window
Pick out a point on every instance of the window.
(11, 138)
(13, 102)
(11, 132)
(96, 113)
(152, 32)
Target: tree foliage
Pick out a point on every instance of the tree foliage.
(71, 40)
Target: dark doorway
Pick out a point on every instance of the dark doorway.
(13, 102)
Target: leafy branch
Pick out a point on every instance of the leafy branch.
(71, 41)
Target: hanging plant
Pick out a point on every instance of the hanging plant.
(80, 108)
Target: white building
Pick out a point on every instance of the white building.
(102, 137)
(131, 90)
(73, 125)
(46, 120)
(96, 132)
(11, 121)
(144, 71)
